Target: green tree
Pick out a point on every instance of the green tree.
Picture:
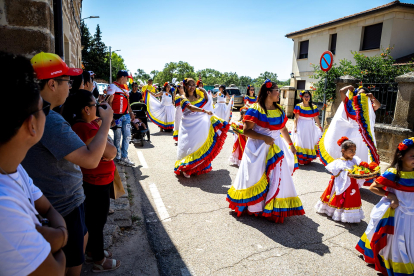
(154, 73)
(263, 76)
(210, 76)
(117, 64)
(141, 75)
(86, 42)
(179, 70)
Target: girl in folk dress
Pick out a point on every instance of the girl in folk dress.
(342, 200)
(306, 134)
(250, 98)
(264, 184)
(201, 135)
(239, 141)
(388, 241)
(161, 113)
(221, 109)
(178, 111)
(355, 119)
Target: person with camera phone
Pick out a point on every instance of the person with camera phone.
(97, 183)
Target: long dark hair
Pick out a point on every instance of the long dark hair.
(224, 89)
(248, 91)
(77, 81)
(310, 101)
(186, 81)
(263, 96)
(74, 105)
(397, 161)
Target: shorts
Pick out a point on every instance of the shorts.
(75, 223)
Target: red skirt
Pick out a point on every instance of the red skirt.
(348, 200)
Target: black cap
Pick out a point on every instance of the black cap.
(122, 73)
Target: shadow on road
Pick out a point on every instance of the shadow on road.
(296, 232)
(314, 166)
(214, 182)
(367, 195)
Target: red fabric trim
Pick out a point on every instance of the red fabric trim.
(175, 138)
(367, 259)
(278, 217)
(378, 242)
(265, 124)
(233, 205)
(353, 117)
(388, 183)
(280, 178)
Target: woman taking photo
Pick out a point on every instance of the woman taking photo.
(221, 109)
(306, 134)
(201, 136)
(81, 110)
(250, 98)
(264, 184)
(161, 113)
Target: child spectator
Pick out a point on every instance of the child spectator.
(388, 241)
(342, 200)
(29, 245)
(97, 183)
(54, 161)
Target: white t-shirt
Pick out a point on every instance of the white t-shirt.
(22, 248)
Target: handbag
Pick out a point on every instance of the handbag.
(117, 188)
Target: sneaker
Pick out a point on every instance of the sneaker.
(117, 160)
(125, 161)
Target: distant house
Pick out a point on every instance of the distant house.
(366, 32)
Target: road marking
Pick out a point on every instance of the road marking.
(142, 159)
(162, 211)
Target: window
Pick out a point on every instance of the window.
(301, 85)
(332, 48)
(372, 37)
(303, 49)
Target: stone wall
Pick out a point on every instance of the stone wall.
(27, 27)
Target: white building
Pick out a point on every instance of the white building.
(366, 32)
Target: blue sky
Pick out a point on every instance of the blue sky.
(243, 36)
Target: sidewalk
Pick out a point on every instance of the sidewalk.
(125, 232)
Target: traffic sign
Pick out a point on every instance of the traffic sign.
(326, 61)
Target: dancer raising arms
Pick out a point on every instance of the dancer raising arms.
(161, 113)
(264, 184)
(221, 109)
(306, 134)
(201, 136)
(355, 119)
(250, 98)
(388, 241)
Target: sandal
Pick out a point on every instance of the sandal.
(89, 259)
(100, 268)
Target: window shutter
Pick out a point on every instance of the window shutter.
(372, 37)
(304, 45)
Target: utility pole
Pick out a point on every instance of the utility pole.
(110, 64)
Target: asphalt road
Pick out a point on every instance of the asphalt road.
(193, 232)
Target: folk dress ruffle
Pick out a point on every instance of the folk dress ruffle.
(354, 119)
(221, 109)
(388, 241)
(177, 118)
(248, 100)
(238, 146)
(341, 199)
(161, 113)
(264, 184)
(308, 134)
(200, 138)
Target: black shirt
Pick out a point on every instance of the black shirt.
(135, 97)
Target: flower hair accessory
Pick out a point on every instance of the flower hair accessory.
(342, 140)
(165, 84)
(406, 143)
(198, 82)
(301, 93)
(185, 81)
(172, 89)
(248, 87)
(268, 83)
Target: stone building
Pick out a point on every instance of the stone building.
(28, 27)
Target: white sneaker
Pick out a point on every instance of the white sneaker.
(126, 162)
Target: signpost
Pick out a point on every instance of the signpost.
(326, 63)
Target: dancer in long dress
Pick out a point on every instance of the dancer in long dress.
(388, 241)
(201, 135)
(341, 199)
(221, 109)
(264, 184)
(355, 119)
(306, 134)
(239, 141)
(250, 98)
(161, 113)
(178, 111)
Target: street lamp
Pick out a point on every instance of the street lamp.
(110, 63)
(93, 16)
(292, 75)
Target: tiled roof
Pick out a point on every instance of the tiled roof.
(353, 16)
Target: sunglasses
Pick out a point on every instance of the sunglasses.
(95, 104)
(45, 108)
(70, 82)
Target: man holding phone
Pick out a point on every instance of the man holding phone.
(118, 99)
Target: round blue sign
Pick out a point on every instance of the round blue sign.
(326, 61)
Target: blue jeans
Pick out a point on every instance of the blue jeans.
(123, 126)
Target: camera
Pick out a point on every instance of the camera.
(97, 109)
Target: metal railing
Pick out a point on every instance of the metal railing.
(386, 94)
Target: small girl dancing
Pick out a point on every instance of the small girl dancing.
(239, 141)
(388, 241)
(342, 200)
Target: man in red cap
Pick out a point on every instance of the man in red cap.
(53, 163)
(119, 100)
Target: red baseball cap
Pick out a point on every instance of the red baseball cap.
(48, 66)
